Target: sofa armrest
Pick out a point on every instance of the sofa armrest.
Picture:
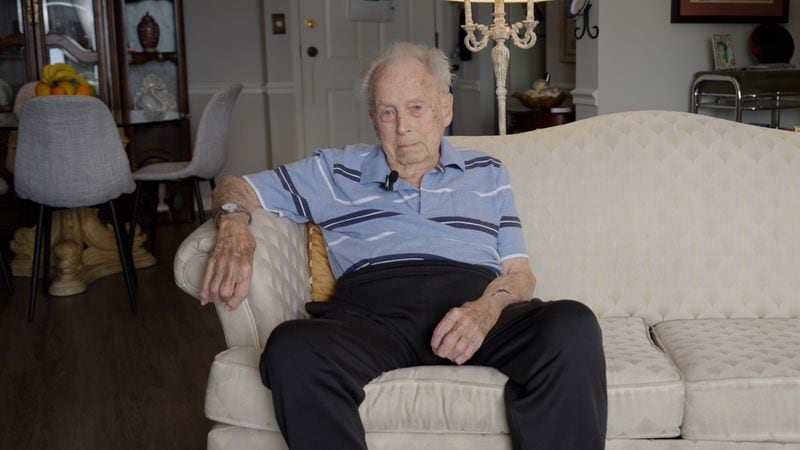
(280, 284)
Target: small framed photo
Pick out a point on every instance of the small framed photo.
(724, 57)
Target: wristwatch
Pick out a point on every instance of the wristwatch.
(232, 208)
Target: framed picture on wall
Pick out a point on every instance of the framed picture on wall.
(567, 34)
(724, 57)
(739, 11)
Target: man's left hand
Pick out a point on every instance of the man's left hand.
(462, 330)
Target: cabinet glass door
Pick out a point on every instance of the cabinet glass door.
(14, 36)
(153, 74)
(70, 37)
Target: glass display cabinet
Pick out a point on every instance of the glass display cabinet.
(130, 51)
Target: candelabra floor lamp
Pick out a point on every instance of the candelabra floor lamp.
(520, 33)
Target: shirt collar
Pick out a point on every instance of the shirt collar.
(450, 157)
(374, 168)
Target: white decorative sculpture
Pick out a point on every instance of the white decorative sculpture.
(153, 96)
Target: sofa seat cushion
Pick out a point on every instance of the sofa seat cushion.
(645, 389)
(742, 377)
(645, 392)
(400, 400)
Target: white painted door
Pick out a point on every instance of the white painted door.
(333, 51)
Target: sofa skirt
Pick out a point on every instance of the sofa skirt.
(231, 437)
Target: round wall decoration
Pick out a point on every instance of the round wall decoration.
(575, 7)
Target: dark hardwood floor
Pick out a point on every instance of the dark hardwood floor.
(89, 374)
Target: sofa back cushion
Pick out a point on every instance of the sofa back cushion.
(661, 215)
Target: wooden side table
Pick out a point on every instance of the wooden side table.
(523, 119)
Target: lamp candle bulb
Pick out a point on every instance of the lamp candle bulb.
(530, 10)
(467, 12)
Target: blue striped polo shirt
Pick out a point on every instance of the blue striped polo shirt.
(464, 209)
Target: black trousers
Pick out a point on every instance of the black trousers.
(383, 318)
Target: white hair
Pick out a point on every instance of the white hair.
(434, 60)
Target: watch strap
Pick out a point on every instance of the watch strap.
(239, 209)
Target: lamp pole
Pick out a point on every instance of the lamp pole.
(499, 31)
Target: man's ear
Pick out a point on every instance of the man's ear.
(447, 109)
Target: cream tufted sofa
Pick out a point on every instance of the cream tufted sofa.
(681, 231)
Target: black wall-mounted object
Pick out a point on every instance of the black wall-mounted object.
(587, 30)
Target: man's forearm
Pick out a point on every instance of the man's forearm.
(232, 189)
(228, 273)
(515, 284)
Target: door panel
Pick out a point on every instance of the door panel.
(333, 116)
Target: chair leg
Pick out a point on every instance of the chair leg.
(199, 199)
(123, 259)
(132, 233)
(134, 215)
(154, 219)
(37, 250)
(6, 274)
(212, 183)
(48, 226)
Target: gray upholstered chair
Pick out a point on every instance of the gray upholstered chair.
(208, 155)
(69, 155)
(26, 92)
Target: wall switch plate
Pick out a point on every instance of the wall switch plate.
(278, 24)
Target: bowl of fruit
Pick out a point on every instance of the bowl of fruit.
(541, 96)
(62, 79)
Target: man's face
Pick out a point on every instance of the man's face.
(409, 113)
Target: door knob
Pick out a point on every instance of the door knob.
(312, 51)
(311, 23)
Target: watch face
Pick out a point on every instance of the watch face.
(575, 7)
(230, 207)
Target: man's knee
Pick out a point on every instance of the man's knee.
(571, 325)
(290, 346)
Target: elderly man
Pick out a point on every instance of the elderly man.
(431, 268)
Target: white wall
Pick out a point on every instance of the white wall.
(642, 61)
(585, 94)
(224, 44)
(282, 91)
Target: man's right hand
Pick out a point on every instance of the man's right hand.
(230, 266)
